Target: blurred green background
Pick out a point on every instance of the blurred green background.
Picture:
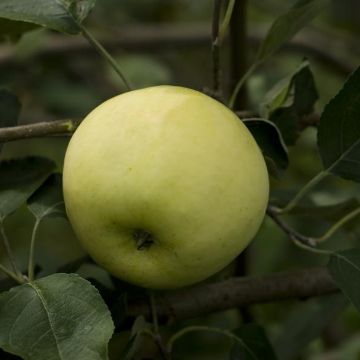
(168, 42)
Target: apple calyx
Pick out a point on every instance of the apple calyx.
(143, 239)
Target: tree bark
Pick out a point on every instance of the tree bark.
(235, 292)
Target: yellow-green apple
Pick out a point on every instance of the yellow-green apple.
(164, 186)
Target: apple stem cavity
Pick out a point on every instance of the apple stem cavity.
(143, 239)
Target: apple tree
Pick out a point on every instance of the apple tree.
(293, 293)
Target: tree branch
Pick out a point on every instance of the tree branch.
(41, 129)
(158, 37)
(235, 292)
(215, 48)
(67, 127)
(239, 51)
(293, 235)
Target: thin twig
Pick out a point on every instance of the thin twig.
(305, 242)
(239, 51)
(67, 127)
(238, 64)
(215, 49)
(31, 265)
(157, 37)
(40, 129)
(293, 234)
(309, 120)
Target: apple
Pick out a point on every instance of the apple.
(164, 186)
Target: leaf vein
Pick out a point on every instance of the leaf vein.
(43, 301)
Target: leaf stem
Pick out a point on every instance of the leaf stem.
(154, 312)
(300, 240)
(8, 250)
(31, 265)
(103, 52)
(338, 225)
(240, 83)
(11, 274)
(314, 181)
(158, 341)
(189, 329)
(156, 334)
(226, 21)
(312, 249)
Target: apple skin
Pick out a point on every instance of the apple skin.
(164, 186)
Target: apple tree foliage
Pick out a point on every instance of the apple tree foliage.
(64, 316)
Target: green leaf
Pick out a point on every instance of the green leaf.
(79, 9)
(59, 317)
(134, 342)
(344, 267)
(289, 102)
(257, 344)
(19, 179)
(48, 200)
(61, 15)
(9, 109)
(339, 131)
(276, 96)
(288, 24)
(271, 143)
(286, 120)
(305, 323)
(283, 93)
